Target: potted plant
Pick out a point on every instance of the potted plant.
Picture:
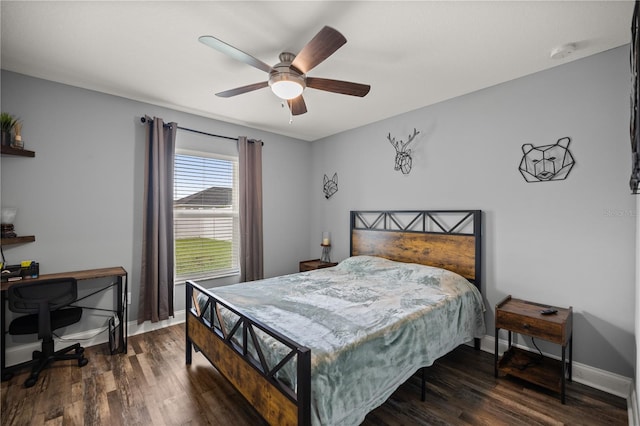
(7, 124)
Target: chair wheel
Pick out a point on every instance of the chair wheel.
(30, 382)
(80, 350)
(82, 362)
(7, 376)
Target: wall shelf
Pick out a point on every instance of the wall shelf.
(18, 240)
(7, 150)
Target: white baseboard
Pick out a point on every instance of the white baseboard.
(632, 406)
(145, 327)
(605, 381)
(20, 353)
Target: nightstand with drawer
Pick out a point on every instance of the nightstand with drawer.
(524, 317)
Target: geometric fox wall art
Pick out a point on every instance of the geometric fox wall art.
(330, 186)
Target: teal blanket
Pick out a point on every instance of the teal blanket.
(370, 324)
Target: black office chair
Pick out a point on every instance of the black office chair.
(46, 302)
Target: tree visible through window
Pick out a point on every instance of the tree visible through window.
(206, 223)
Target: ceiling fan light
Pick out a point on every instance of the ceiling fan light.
(287, 89)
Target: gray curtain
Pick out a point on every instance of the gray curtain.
(251, 246)
(156, 282)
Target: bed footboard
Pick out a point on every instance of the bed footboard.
(247, 369)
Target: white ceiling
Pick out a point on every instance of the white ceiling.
(412, 53)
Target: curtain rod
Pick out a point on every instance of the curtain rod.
(144, 120)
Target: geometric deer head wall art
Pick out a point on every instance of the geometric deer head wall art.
(545, 163)
(403, 155)
(330, 186)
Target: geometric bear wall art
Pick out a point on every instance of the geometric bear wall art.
(546, 162)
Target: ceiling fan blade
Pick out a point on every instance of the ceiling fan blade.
(337, 86)
(244, 89)
(235, 53)
(318, 49)
(297, 105)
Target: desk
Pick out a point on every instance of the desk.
(121, 308)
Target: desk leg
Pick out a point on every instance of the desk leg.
(122, 313)
(188, 345)
(570, 356)
(564, 374)
(495, 356)
(126, 312)
(4, 337)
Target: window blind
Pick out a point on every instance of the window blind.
(206, 221)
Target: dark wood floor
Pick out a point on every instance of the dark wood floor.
(152, 385)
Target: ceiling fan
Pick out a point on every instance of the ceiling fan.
(288, 78)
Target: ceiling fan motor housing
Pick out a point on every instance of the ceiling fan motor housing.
(284, 72)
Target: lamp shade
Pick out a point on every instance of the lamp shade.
(9, 214)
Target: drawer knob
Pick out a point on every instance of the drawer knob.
(525, 325)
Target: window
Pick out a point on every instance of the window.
(205, 210)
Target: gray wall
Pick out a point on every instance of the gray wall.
(568, 243)
(81, 196)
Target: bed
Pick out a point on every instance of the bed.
(328, 346)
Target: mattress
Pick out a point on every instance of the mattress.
(369, 322)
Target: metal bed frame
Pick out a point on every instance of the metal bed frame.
(418, 236)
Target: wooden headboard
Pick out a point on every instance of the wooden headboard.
(448, 239)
